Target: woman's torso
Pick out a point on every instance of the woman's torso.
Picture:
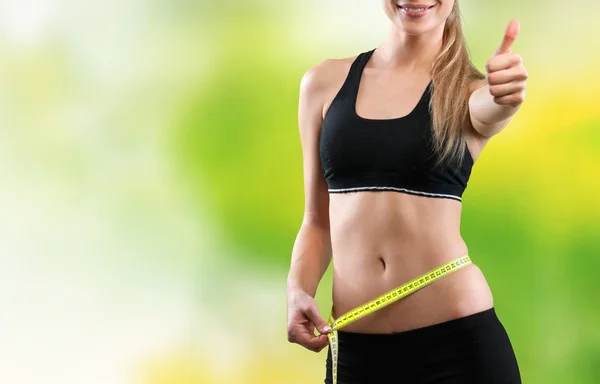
(382, 239)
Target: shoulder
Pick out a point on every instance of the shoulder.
(321, 83)
(325, 75)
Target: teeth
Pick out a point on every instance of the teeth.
(415, 9)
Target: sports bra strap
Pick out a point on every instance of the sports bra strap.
(351, 85)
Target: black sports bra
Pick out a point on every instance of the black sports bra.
(360, 154)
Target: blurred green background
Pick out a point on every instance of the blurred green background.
(151, 187)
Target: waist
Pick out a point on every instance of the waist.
(381, 240)
(458, 294)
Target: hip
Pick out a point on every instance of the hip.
(470, 349)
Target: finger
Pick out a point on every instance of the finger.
(326, 343)
(510, 35)
(313, 315)
(504, 61)
(512, 100)
(507, 75)
(312, 342)
(507, 89)
(320, 342)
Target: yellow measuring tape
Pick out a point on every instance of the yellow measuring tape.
(384, 300)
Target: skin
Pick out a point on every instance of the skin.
(379, 240)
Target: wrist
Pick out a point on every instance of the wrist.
(295, 288)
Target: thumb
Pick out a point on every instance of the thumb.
(313, 315)
(510, 35)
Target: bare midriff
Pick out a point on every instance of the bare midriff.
(381, 240)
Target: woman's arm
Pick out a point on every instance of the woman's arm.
(311, 253)
(492, 104)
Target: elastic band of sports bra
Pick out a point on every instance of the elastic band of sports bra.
(385, 300)
(395, 189)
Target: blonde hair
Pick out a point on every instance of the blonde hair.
(452, 73)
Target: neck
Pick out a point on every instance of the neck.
(416, 52)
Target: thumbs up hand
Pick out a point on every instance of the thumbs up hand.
(506, 74)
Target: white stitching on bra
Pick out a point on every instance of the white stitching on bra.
(394, 189)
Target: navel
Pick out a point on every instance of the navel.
(382, 263)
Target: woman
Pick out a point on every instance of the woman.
(389, 138)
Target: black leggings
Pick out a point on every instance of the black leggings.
(470, 350)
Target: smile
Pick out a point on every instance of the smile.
(415, 10)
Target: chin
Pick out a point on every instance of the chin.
(415, 30)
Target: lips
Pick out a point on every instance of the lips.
(415, 10)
